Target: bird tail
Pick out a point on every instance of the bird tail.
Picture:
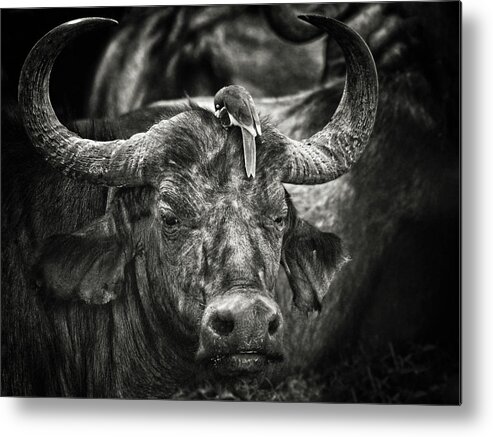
(249, 152)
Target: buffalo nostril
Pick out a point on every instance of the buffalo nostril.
(221, 325)
(274, 325)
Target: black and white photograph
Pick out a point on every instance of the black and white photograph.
(235, 202)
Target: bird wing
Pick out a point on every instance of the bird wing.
(238, 106)
(249, 152)
(254, 114)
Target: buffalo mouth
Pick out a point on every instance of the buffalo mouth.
(248, 362)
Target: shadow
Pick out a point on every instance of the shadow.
(229, 414)
(471, 216)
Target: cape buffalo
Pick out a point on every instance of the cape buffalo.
(175, 278)
(397, 210)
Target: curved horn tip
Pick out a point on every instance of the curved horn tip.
(334, 27)
(83, 24)
(98, 162)
(320, 21)
(309, 18)
(284, 22)
(348, 132)
(102, 20)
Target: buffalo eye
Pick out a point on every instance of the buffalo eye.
(280, 223)
(170, 220)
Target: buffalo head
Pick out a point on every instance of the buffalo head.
(189, 242)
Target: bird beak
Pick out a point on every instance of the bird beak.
(217, 113)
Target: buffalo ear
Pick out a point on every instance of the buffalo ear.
(310, 259)
(87, 265)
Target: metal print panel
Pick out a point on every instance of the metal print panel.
(235, 202)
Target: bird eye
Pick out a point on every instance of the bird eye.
(218, 106)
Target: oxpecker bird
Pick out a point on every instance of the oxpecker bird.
(237, 102)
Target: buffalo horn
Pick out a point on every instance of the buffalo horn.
(110, 163)
(284, 22)
(331, 152)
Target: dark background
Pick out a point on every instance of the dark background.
(22, 28)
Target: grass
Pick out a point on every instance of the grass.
(418, 374)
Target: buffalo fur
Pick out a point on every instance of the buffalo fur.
(109, 302)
